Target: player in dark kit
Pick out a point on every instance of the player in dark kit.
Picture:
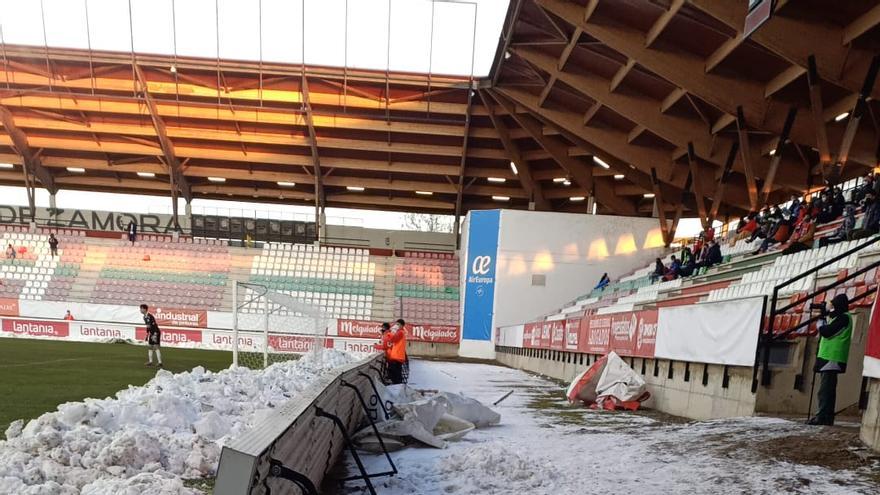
(154, 336)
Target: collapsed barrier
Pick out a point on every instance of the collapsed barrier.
(301, 441)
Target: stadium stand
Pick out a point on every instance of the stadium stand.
(428, 287)
(34, 274)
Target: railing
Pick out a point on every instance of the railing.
(767, 335)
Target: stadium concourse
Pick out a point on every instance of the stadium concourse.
(565, 142)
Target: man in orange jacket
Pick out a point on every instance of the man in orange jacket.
(397, 354)
(383, 344)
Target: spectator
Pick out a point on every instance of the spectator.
(674, 269)
(795, 207)
(867, 185)
(53, 245)
(688, 263)
(844, 231)
(746, 228)
(711, 257)
(68, 316)
(832, 356)
(10, 252)
(659, 270)
(871, 219)
(603, 282)
(132, 230)
(802, 237)
(778, 233)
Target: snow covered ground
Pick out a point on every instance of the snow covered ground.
(544, 446)
(147, 440)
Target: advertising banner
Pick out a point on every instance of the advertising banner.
(172, 317)
(294, 343)
(173, 336)
(572, 333)
(557, 334)
(34, 328)
(627, 334)
(595, 334)
(360, 329)
(531, 334)
(91, 331)
(9, 307)
(479, 291)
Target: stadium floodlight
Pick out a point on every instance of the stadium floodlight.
(285, 183)
(76, 170)
(601, 163)
(355, 188)
(501, 198)
(648, 195)
(500, 180)
(6, 166)
(424, 193)
(619, 176)
(576, 198)
(217, 179)
(841, 116)
(513, 167)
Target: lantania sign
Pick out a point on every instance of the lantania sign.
(87, 219)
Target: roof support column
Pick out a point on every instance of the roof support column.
(461, 166)
(316, 161)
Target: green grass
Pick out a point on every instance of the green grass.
(38, 375)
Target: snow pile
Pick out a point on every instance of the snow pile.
(147, 438)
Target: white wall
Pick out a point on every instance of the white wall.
(572, 250)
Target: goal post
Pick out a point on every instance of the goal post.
(270, 326)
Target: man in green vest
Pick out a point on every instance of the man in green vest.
(834, 341)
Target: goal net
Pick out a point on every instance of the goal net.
(270, 326)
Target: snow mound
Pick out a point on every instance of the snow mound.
(146, 439)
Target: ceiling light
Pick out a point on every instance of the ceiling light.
(76, 170)
(147, 175)
(619, 176)
(577, 198)
(285, 183)
(355, 188)
(513, 167)
(425, 193)
(217, 179)
(841, 116)
(559, 179)
(506, 55)
(648, 195)
(773, 152)
(173, 69)
(6, 166)
(499, 180)
(566, 183)
(501, 198)
(595, 207)
(601, 162)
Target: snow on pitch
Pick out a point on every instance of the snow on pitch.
(145, 440)
(544, 446)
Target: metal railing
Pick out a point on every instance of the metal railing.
(767, 332)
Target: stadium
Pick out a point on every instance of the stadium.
(439, 246)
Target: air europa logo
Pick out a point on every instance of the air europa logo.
(481, 265)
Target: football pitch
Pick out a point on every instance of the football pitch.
(38, 375)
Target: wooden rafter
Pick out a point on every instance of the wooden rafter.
(31, 160)
(697, 186)
(459, 190)
(313, 146)
(662, 21)
(718, 195)
(743, 134)
(661, 210)
(777, 154)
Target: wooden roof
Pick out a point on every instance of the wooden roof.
(631, 82)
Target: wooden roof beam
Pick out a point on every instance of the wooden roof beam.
(718, 195)
(662, 21)
(861, 25)
(621, 73)
(313, 146)
(697, 186)
(179, 182)
(531, 187)
(31, 160)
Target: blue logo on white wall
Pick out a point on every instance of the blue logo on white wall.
(479, 296)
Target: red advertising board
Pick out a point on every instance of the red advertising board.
(173, 317)
(572, 333)
(35, 328)
(531, 334)
(557, 335)
(171, 336)
(443, 334)
(627, 334)
(8, 307)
